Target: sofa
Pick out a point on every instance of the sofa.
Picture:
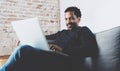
(108, 57)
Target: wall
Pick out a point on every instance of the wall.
(98, 15)
(11, 10)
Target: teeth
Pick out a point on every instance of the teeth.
(69, 25)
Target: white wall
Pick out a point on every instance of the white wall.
(98, 15)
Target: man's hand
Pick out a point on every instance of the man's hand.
(18, 43)
(55, 47)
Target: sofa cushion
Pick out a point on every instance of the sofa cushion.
(108, 58)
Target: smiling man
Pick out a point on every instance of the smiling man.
(77, 42)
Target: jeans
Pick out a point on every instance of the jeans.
(27, 58)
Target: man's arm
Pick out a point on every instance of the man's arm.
(52, 36)
(88, 43)
(51, 41)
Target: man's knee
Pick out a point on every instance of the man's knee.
(25, 48)
(22, 50)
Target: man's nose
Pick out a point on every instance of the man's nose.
(68, 21)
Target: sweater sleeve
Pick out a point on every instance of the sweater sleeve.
(52, 36)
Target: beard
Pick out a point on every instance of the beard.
(71, 25)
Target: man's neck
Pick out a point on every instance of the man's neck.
(72, 28)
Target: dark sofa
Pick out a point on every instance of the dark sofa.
(108, 57)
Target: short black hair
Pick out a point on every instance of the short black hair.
(76, 10)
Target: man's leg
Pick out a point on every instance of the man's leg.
(28, 58)
(12, 60)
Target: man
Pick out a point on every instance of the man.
(76, 42)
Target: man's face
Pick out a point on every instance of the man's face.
(71, 20)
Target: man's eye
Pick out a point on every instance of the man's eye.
(72, 18)
(65, 18)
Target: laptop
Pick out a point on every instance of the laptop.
(29, 32)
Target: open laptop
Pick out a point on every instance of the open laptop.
(30, 33)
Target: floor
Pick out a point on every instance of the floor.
(3, 59)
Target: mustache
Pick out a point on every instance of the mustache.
(72, 24)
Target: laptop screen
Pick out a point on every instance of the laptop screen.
(29, 32)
